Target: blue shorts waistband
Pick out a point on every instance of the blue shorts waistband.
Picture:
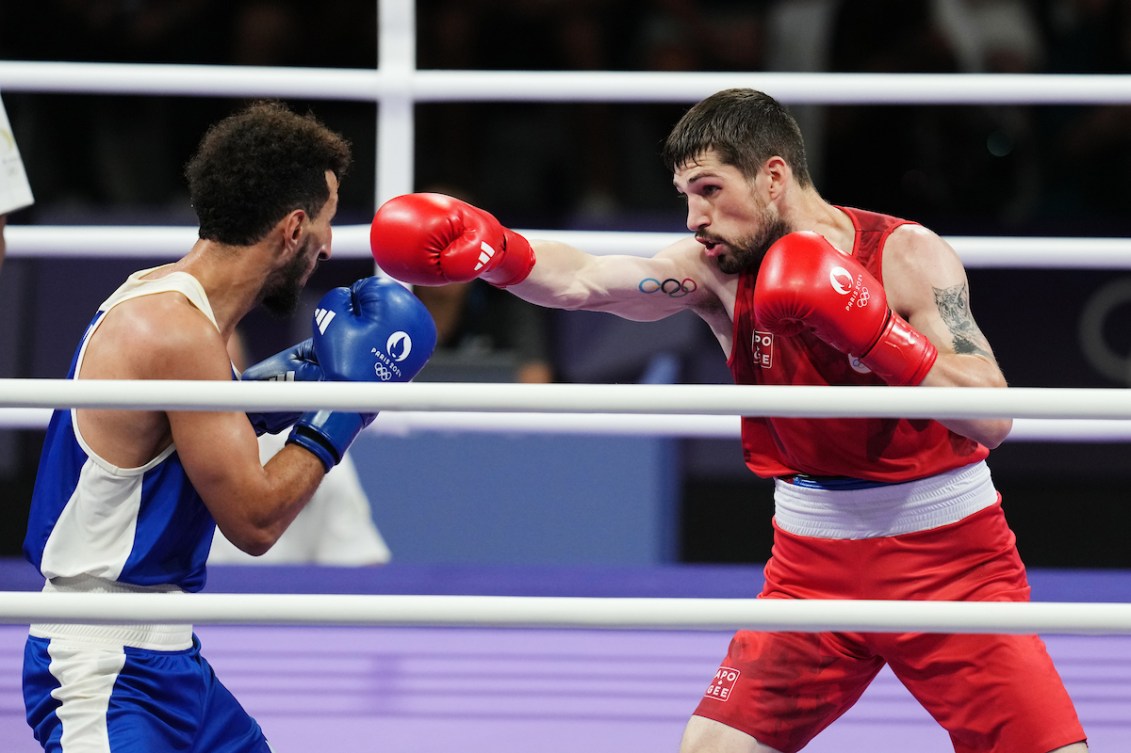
(833, 483)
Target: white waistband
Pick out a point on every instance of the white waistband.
(886, 510)
(154, 637)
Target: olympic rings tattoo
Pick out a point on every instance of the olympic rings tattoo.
(670, 287)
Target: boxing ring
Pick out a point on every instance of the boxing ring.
(426, 659)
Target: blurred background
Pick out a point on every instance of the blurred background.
(962, 170)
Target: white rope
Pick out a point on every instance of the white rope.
(352, 241)
(395, 423)
(193, 80)
(558, 86)
(17, 607)
(790, 88)
(731, 400)
(101, 242)
(975, 251)
(406, 423)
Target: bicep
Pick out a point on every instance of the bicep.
(252, 503)
(927, 284)
(218, 449)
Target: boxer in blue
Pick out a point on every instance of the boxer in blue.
(128, 500)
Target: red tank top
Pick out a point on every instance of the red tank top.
(877, 449)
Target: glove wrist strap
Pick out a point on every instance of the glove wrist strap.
(516, 263)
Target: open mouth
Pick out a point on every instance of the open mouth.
(711, 247)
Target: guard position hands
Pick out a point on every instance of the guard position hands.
(376, 330)
(295, 364)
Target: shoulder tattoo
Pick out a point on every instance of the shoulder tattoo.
(954, 308)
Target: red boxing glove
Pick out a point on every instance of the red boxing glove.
(805, 283)
(433, 239)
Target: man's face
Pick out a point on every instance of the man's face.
(729, 213)
(284, 288)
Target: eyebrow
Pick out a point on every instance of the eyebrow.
(698, 176)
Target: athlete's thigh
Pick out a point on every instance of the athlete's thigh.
(174, 701)
(784, 688)
(227, 727)
(703, 735)
(96, 697)
(990, 692)
(156, 703)
(50, 699)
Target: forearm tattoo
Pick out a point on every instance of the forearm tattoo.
(954, 307)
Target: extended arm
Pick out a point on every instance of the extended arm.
(637, 288)
(430, 239)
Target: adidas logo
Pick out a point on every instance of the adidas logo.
(322, 319)
(286, 376)
(486, 253)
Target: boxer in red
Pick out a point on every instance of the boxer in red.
(801, 291)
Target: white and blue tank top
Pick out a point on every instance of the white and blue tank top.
(144, 526)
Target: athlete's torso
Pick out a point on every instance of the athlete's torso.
(143, 526)
(879, 449)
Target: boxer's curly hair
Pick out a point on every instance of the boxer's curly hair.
(255, 166)
(745, 127)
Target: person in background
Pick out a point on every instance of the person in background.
(336, 527)
(476, 322)
(15, 192)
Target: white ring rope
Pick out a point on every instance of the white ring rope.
(558, 86)
(404, 423)
(352, 241)
(790, 88)
(19, 607)
(695, 399)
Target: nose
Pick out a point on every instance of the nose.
(326, 252)
(696, 214)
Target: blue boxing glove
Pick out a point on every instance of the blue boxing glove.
(295, 364)
(376, 330)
